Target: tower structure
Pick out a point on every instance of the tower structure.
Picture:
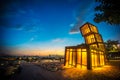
(90, 54)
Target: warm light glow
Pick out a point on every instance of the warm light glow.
(74, 58)
(83, 50)
(93, 46)
(79, 49)
(84, 74)
(102, 69)
(84, 58)
(90, 54)
(101, 59)
(85, 29)
(70, 61)
(78, 58)
(78, 66)
(90, 39)
(67, 57)
(101, 46)
(98, 38)
(93, 28)
(97, 58)
(93, 62)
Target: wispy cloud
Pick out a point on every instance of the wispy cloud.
(75, 29)
(31, 27)
(19, 27)
(53, 46)
(74, 32)
(58, 40)
(31, 39)
(81, 15)
(71, 25)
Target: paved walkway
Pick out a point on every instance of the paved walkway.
(33, 72)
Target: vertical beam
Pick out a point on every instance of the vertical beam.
(89, 66)
(72, 57)
(76, 57)
(81, 57)
(98, 57)
(69, 57)
(65, 57)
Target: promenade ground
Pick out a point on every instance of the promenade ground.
(31, 71)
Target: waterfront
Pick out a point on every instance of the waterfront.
(51, 69)
(31, 71)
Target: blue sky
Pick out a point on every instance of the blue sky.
(42, 27)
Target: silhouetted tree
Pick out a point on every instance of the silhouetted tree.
(108, 11)
(111, 45)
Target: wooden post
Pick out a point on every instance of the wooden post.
(65, 57)
(89, 63)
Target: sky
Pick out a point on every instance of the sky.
(43, 27)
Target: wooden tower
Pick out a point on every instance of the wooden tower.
(90, 54)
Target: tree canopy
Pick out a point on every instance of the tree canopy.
(112, 45)
(108, 11)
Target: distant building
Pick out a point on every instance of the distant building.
(90, 54)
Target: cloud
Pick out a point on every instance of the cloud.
(32, 28)
(75, 29)
(58, 40)
(71, 25)
(74, 32)
(32, 39)
(27, 27)
(84, 9)
(53, 46)
(19, 27)
(13, 12)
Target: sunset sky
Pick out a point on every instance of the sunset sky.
(43, 27)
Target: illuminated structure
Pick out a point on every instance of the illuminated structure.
(90, 54)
